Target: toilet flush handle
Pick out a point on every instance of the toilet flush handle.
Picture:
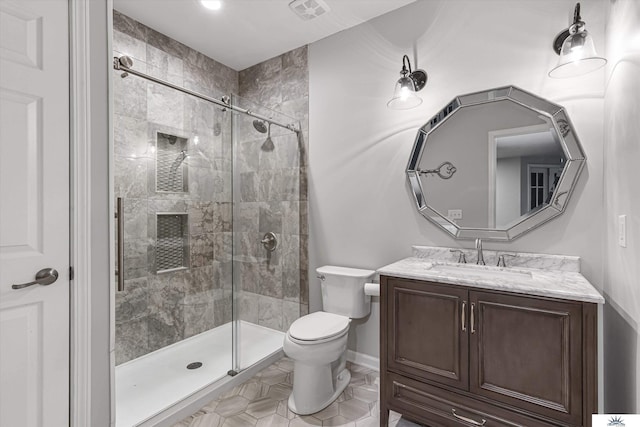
(321, 277)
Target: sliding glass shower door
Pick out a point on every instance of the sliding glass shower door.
(172, 171)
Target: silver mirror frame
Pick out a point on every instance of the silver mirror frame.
(568, 139)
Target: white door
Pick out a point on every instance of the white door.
(34, 212)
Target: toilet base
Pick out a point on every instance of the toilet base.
(341, 383)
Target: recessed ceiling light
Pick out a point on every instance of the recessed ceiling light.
(212, 4)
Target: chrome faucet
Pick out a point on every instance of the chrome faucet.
(480, 260)
(461, 257)
(501, 262)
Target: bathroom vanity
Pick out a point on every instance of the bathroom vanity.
(513, 342)
(464, 344)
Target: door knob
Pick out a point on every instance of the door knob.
(44, 277)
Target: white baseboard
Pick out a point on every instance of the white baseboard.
(364, 360)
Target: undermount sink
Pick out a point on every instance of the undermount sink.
(481, 271)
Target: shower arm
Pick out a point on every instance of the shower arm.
(122, 64)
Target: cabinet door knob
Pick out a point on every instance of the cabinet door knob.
(468, 420)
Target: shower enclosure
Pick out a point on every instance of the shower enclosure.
(209, 232)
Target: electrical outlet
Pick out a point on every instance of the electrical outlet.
(454, 214)
(622, 230)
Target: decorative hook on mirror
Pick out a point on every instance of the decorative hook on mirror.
(404, 95)
(557, 199)
(449, 170)
(576, 49)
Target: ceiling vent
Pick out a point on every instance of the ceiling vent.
(309, 9)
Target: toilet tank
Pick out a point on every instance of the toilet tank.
(343, 290)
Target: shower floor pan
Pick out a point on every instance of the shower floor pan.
(149, 384)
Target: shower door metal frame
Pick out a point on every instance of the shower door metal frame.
(119, 63)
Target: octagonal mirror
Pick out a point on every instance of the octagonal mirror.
(495, 164)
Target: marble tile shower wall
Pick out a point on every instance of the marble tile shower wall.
(158, 309)
(273, 196)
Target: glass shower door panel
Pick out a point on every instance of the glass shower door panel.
(266, 193)
(172, 168)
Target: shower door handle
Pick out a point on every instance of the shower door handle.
(120, 246)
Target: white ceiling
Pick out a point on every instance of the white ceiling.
(246, 32)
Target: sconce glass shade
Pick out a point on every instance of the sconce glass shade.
(576, 49)
(577, 57)
(404, 95)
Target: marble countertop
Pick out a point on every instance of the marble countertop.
(562, 284)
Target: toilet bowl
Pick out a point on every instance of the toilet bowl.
(317, 342)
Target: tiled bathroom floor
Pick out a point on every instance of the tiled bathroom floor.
(262, 402)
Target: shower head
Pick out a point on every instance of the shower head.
(178, 161)
(267, 145)
(260, 126)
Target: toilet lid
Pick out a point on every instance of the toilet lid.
(318, 325)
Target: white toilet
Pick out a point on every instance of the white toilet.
(317, 342)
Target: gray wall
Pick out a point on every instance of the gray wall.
(99, 392)
(361, 211)
(507, 190)
(621, 178)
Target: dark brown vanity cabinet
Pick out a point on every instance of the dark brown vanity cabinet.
(457, 356)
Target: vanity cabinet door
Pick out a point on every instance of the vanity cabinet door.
(427, 331)
(527, 352)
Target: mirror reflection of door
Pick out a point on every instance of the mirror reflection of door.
(528, 165)
(543, 180)
(538, 186)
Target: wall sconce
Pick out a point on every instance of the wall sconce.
(577, 53)
(404, 95)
